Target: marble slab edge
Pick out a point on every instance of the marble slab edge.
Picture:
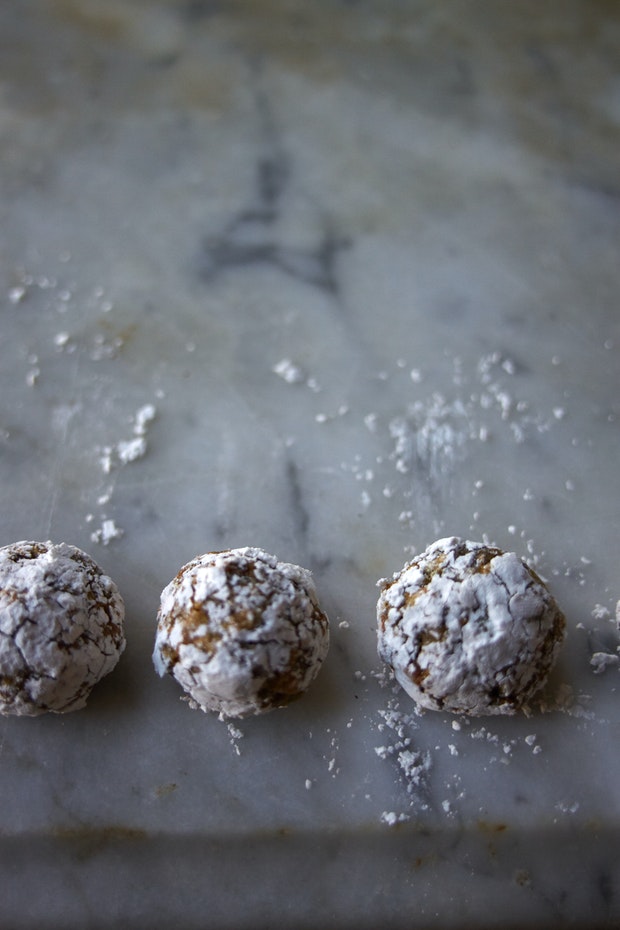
(490, 876)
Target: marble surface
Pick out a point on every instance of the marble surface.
(362, 260)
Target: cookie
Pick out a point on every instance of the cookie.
(468, 628)
(61, 627)
(241, 632)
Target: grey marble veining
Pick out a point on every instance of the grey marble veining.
(363, 263)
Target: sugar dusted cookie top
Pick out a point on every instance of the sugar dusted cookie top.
(61, 627)
(468, 628)
(241, 632)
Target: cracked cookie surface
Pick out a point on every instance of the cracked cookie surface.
(241, 632)
(61, 627)
(468, 628)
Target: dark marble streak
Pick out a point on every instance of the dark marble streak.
(252, 238)
(299, 511)
(195, 11)
(315, 268)
(605, 888)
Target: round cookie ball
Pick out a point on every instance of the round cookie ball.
(468, 628)
(241, 632)
(61, 627)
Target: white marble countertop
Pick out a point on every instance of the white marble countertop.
(362, 260)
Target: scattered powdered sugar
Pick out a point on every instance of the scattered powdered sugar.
(602, 659)
(391, 818)
(61, 295)
(568, 807)
(435, 430)
(129, 450)
(432, 434)
(413, 765)
(530, 740)
(289, 371)
(235, 735)
(439, 430)
(114, 457)
(332, 755)
(16, 294)
(600, 613)
(144, 416)
(292, 373)
(107, 532)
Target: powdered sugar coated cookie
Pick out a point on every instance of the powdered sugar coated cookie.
(241, 632)
(468, 628)
(61, 627)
